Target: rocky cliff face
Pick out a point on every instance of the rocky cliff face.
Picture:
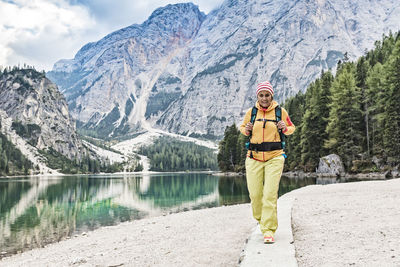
(109, 83)
(192, 74)
(38, 111)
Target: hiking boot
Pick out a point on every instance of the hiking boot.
(269, 239)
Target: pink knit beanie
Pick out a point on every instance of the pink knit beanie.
(265, 86)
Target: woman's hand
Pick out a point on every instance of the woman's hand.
(281, 126)
(248, 128)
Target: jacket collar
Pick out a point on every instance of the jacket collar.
(273, 105)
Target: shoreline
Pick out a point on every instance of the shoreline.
(206, 237)
(291, 174)
(107, 174)
(358, 176)
(218, 236)
(301, 174)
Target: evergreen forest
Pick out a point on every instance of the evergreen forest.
(169, 154)
(354, 114)
(12, 161)
(87, 164)
(232, 150)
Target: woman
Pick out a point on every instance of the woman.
(265, 157)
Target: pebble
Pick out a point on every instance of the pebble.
(78, 261)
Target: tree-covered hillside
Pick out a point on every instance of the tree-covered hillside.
(169, 154)
(12, 161)
(23, 90)
(355, 114)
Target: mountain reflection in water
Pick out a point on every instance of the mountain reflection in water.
(35, 211)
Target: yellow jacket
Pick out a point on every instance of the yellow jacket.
(269, 133)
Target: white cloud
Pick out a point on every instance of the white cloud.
(40, 32)
(111, 16)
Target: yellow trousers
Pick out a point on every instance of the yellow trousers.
(263, 183)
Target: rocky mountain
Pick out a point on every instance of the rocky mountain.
(192, 74)
(108, 84)
(38, 113)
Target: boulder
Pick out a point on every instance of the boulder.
(378, 162)
(330, 165)
(396, 172)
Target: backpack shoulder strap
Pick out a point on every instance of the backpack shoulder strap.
(278, 113)
(278, 116)
(252, 120)
(253, 114)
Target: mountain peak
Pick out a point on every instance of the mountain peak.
(183, 20)
(180, 8)
(192, 74)
(175, 18)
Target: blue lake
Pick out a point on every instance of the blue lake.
(35, 211)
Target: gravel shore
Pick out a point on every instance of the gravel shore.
(208, 237)
(352, 224)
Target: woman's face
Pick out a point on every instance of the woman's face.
(264, 98)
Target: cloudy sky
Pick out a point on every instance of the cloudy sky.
(40, 32)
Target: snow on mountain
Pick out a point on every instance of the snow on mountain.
(191, 74)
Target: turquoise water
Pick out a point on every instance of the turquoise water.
(35, 211)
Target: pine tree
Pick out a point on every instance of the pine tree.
(375, 103)
(345, 116)
(314, 122)
(228, 154)
(382, 50)
(361, 79)
(241, 151)
(310, 143)
(391, 137)
(295, 107)
(323, 108)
